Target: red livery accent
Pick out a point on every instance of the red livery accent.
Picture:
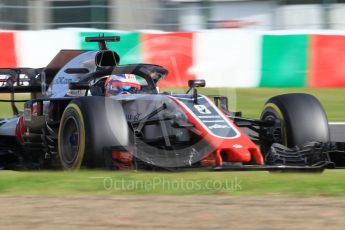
(237, 149)
(122, 160)
(20, 129)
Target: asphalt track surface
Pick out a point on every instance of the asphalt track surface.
(337, 131)
(172, 212)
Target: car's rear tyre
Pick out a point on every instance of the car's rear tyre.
(302, 119)
(88, 126)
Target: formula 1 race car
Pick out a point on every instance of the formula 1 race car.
(71, 122)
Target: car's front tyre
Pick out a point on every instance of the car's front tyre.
(302, 119)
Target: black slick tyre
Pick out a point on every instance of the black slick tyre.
(302, 118)
(90, 125)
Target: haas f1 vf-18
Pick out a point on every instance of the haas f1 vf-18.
(73, 120)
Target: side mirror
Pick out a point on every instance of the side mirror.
(196, 83)
(78, 85)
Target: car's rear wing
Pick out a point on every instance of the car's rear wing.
(20, 80)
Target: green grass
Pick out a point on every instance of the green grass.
(251, 101)
(5, 107)
(329, 183)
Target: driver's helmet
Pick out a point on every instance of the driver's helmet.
(121, 84)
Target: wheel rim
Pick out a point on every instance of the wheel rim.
(276, 132)
(272, 112)
(71, 141)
